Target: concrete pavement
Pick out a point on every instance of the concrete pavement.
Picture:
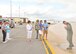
(19, 44)
(57, 38)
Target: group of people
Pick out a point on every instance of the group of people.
(40, 28)
(42, 31)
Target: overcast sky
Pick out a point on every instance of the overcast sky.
(59, 9)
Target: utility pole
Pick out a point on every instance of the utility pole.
(11, 8)
(19, 9)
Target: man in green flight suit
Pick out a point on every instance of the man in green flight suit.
(69, 30)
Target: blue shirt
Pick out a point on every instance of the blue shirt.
(7, 28)
(45, 25)
(41, 25)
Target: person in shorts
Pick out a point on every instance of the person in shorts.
(40, 30)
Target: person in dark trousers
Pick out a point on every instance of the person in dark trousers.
(37, 28)
(69, 30)
(4, 31)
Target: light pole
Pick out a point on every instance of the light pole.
(19, 9)
(11, 8)
(24, 14)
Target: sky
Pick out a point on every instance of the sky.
(43, 9)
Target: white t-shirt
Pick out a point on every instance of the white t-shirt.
(29, 27)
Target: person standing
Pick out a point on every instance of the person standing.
(8, 31)
(37, 28)
(40, 30)
(4, 31)
(69, 30)
(29, 30)
(12, 24)
(45, 30)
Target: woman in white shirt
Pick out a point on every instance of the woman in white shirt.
(29, 30)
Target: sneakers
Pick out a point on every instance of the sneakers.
(9, 39)
(4, 41)
(70, 47)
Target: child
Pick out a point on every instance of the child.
(29, 30)
(7, 31)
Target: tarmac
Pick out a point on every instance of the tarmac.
(57, 37)
(19, 43)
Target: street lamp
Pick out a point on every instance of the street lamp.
(19, 9)
(11, 8)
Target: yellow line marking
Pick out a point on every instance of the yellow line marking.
(49, 45)
(45, 48)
